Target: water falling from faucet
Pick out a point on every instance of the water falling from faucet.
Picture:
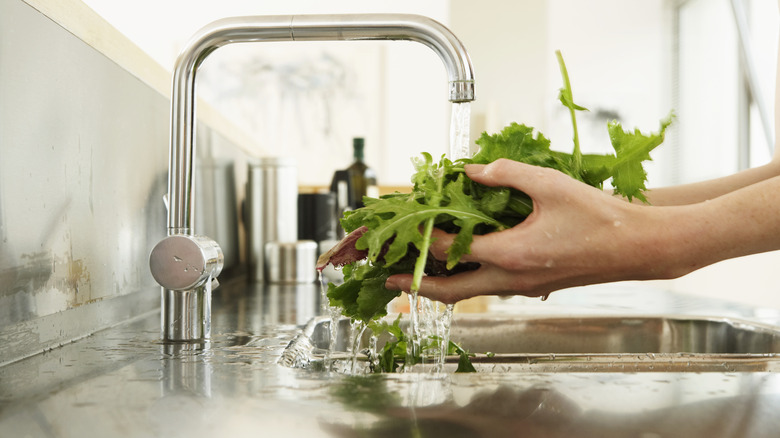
(429, 318)
(460, 131)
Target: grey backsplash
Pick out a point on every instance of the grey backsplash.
(83, 168)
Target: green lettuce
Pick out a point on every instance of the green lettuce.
(399, 225)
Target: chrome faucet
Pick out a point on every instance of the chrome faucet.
(187, 265)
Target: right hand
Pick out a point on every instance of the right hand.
(576, 235)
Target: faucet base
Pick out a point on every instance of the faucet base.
(186, 314)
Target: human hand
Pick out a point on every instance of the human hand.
(576, 235)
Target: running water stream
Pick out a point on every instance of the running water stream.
(430, 319)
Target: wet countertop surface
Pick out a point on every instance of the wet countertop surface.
(123, 382)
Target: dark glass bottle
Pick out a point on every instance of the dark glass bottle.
(362, 179)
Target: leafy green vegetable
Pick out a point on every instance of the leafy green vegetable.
(632, 149)
(567, 99)
(464, 363)
(400, 225)
(390, 357)
(363, 295)
(395, 354)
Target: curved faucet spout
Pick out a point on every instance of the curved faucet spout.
(167, 254)
(290, 28)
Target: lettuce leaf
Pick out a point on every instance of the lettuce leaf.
(399, 224)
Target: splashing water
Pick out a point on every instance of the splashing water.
(427, 318)
(358, 328)
(334, 313)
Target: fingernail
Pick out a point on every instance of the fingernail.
(391, 284)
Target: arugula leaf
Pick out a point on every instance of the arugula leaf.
(464, 364)
(567, 99)
(392, 352)
(399, 225)
(632, 148)
(464, 361)
(395, 352)
(394, 222)
(363, 296)
(465, 208)
(516, 142)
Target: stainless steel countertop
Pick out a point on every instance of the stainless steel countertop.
(123, 382)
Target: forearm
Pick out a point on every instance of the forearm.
(706, 190)
(577, 235)
(743, 222)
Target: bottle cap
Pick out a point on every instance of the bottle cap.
(357, 146)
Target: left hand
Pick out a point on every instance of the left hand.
(576, 235)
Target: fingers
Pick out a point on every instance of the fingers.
(441, 242)
(442, 289)
(487, 280)
(533, 180)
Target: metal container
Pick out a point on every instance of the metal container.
(271, 209)
(291, 262)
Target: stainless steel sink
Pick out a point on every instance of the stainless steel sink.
(580, 344)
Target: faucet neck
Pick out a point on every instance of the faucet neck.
(289, 28)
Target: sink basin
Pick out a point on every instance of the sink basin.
(579, 344)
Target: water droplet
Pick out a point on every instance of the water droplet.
(549, 264)
(544, 297)
(176, 259)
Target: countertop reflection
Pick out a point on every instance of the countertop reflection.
(123, 382)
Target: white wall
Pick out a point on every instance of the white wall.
(508, 45)
(394, 93)
(618, 56)
(709, 130)
(308, 100)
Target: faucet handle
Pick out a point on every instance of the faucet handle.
(183, 262)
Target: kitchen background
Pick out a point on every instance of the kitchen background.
(84, 123)
(631, 60)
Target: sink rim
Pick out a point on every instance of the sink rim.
(595, 361)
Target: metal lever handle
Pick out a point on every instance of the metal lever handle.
(184, 262)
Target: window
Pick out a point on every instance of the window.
(724, 82)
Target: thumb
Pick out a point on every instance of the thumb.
(533, 180)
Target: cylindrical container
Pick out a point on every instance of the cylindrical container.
(291, 262)
(317, 216)
(271, 209)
